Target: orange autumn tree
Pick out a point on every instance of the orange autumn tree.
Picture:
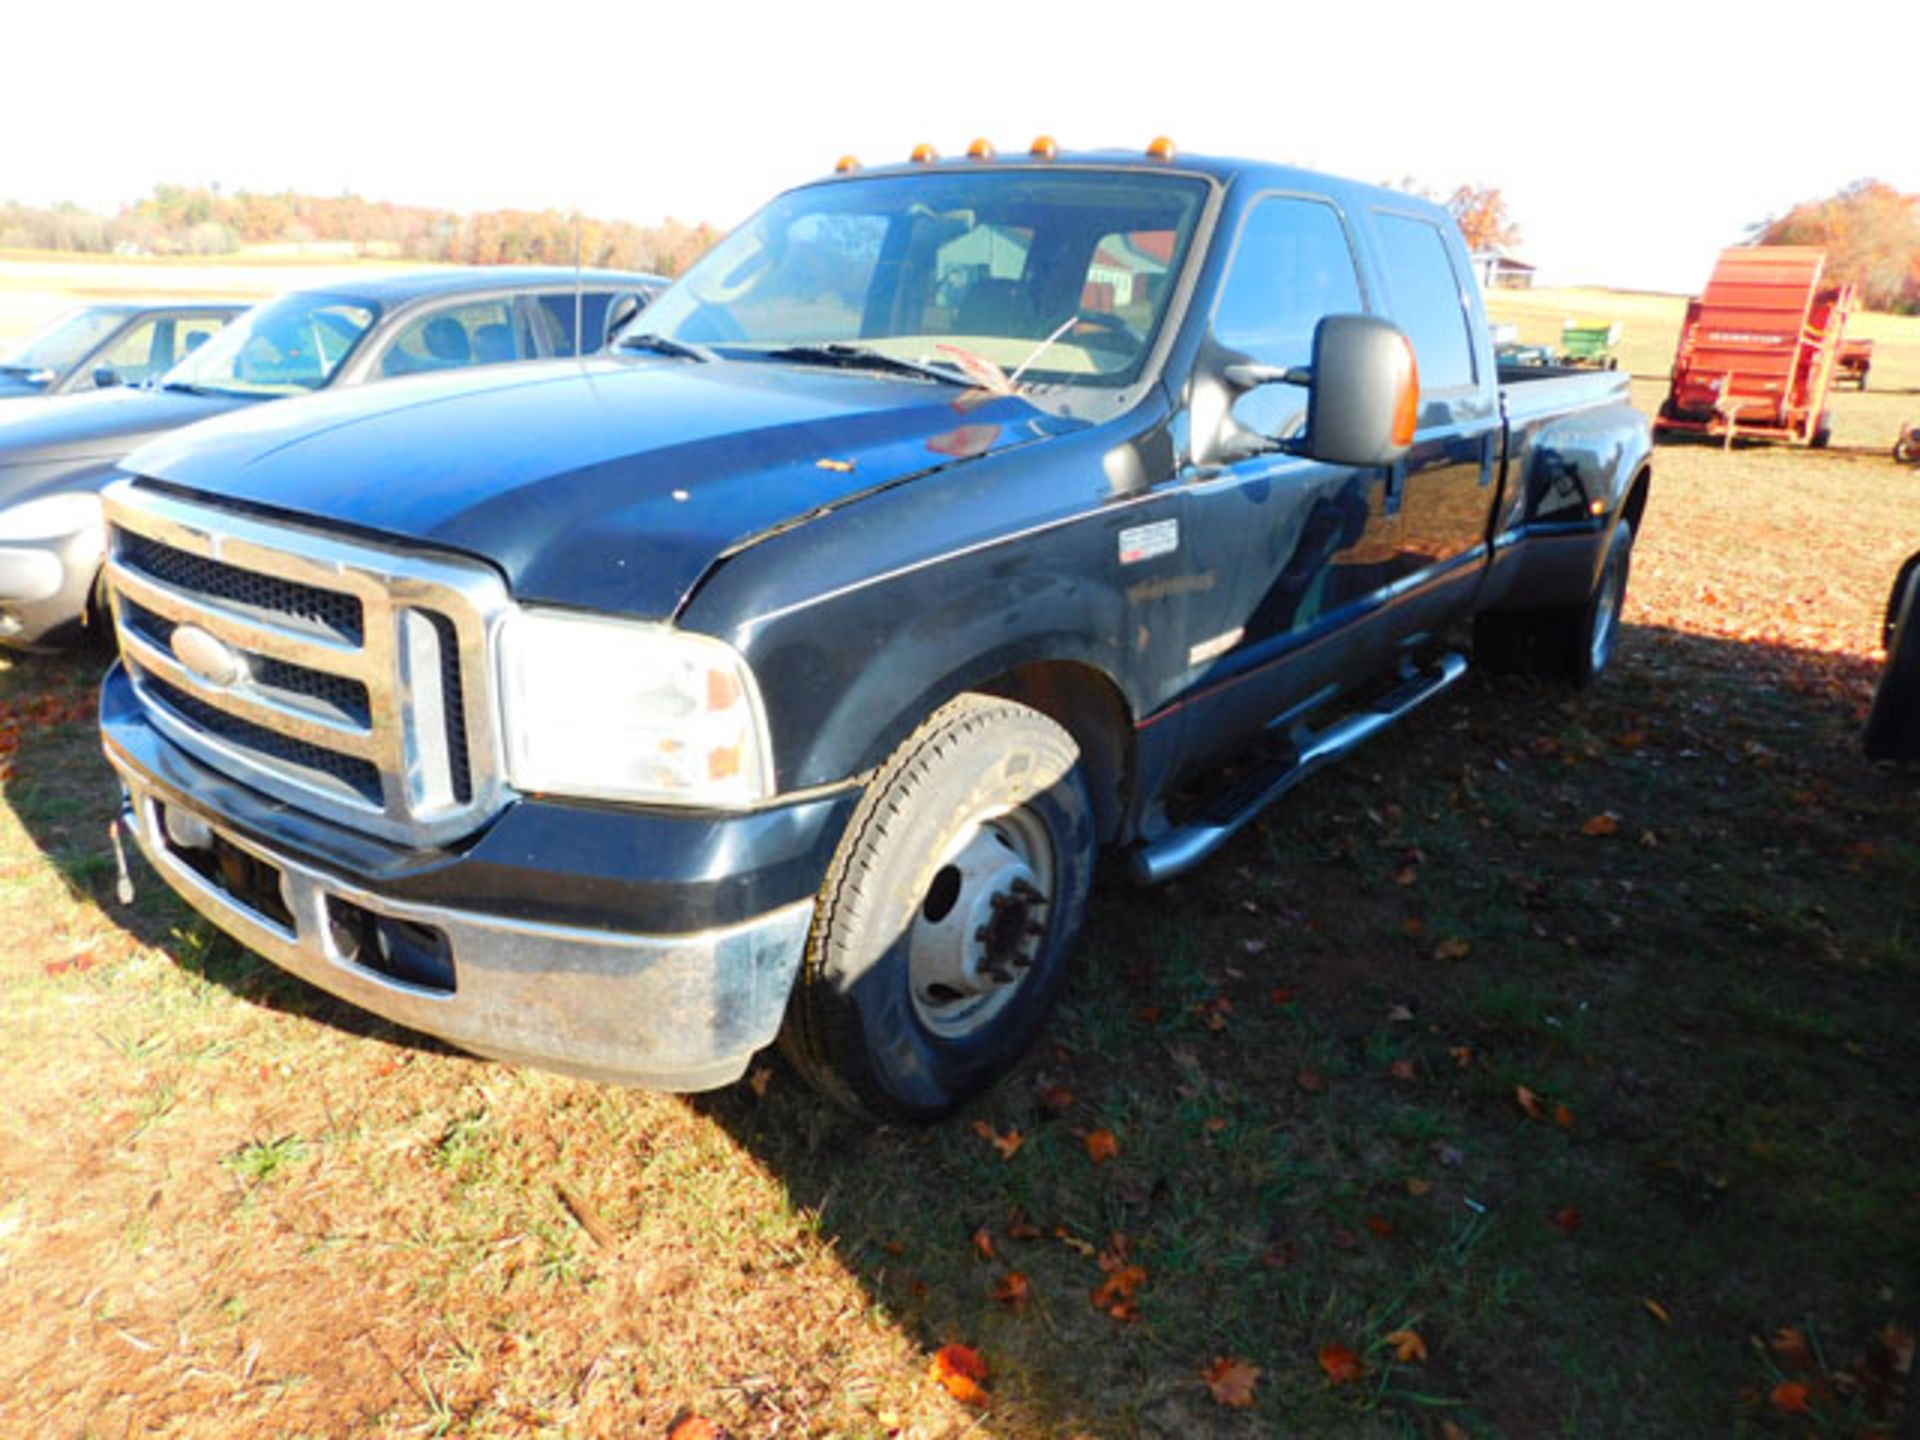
(1481, 213)
(1871, 233)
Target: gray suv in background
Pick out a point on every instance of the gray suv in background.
(100, 346)
(57, 454)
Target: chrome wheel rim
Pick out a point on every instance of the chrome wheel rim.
(981, 923)
(1606, 617)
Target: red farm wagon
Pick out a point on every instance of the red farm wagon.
(1760, 348)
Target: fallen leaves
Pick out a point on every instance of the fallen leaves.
(1115, 1294)
(1535, 1108)
(1790, 1397)
(1008, 1144)
(1013, 1290)
(1310, 1081)
(695, 1427)
(983, 1243)
(1230, 1381)
(1407, 1346)
(1790, 1348)
(962, 1373)
(1102, 1145)
(1343, 1367)
(1657, 1311)
(1566, 1220)
(1055, 1100)
(1452, 948)
(1602, 825)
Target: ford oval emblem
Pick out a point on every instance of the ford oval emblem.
(207, 656)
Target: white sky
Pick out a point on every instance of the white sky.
(1632, 139)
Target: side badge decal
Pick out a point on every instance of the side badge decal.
(1144, 542)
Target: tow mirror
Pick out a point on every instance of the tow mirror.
(105, 378)
(1363, 395)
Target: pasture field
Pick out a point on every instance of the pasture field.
(1548, 1070)
(37, 285)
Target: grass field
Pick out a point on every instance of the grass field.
(1549, 1070)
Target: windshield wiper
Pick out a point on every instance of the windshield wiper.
(665, 345)
(865, 357)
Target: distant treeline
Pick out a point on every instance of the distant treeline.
(194, 220)
(1871, 232)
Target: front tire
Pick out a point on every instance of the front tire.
(948, 915)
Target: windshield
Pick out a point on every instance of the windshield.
(285, 347)
(63, 344)
(1066, 273)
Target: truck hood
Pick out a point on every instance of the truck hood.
(607, 484)
(103, 424)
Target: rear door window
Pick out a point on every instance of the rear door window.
(456, 336)
(557, 320)
(1428, 301)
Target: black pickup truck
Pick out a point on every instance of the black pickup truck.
(781, 673)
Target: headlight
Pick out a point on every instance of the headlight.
(51, 517)
(612, 709)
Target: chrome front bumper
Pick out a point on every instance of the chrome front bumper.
(665, 1012)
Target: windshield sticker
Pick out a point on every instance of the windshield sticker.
(1144, 542)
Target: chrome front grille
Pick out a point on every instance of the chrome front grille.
(353, 679)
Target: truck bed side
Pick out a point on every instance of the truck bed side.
(1575, 452)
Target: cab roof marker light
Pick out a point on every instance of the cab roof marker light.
(1161, 148)
(845, 165)
(924, 154)
(981, 149)
(1043, 148)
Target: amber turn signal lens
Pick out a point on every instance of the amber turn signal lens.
(1043, 147)
(1160, 149)
(981, 149)
(845, 165)
(1406, 409)
(924, 154)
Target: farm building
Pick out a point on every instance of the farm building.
(1497, 271)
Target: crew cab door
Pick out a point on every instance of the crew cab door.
(1302, 552)
(1443, 491)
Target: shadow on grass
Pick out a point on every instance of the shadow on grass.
(1314, 1089)
(1682, 907)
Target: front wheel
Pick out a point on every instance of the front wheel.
(948, 915)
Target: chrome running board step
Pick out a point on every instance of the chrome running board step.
(1222, 815)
